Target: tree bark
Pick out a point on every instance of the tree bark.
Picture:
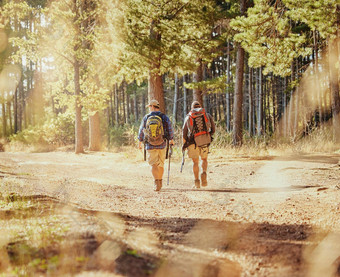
(251, 102)
(259, 103)
(94, 131)
(198, 77)
(116, 105)
(155, 81)
(238, 97)
(4, 120)
(184, 98)
(135, 105)
(155, 89)
(174, 111)
(79, 147)
(227, 95)
(334, 85)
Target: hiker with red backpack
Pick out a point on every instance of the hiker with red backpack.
(155, 130)
(198, 129)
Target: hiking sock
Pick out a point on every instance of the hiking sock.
(158, 185)
(197, 183)
(204, 179)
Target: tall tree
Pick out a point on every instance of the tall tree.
(238, 95)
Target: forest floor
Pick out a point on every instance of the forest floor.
(96, 214)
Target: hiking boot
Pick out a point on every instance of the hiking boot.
(197, 184)
(158, 185)
(204, 179)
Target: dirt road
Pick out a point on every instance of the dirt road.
(259, 216)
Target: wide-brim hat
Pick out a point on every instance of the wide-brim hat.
(154, 103)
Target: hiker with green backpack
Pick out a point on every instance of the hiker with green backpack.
(155, 131)
(197, 132)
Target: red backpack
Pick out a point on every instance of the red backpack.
(199, 127)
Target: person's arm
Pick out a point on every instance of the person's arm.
(212, 123)
(141, 133)
(169, 130)
(185, 131)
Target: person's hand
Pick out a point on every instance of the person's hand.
(171, 142)
(140, 145)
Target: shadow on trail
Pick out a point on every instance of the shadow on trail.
(245, 190)
(156, 246)
(325, 158)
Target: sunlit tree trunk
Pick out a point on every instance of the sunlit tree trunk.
(296, 108)
(198, 77)
(155, 81)
(174, 111)
(79, 148)
(334, 85)
(9, 112)
(259, 103)
(116, 105)
(135, 105)
(94, 132)
(4, 120)
(15, 111)
(227, 94)
(184, 98)
(238, 97)
(291, 104)
(251, 102)
(316, 76)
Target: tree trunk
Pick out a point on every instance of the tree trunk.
(259, 103)
(155, 81)
(316, 78)
(9, 112)
(251, 103)
(94, 132)
(4, 120)
(290, 112)
(227, 96)
(297, 96)
(155, 89)
(15, 108)
(198, 77)
(174, 111)
(143, 108)
(135, 105)
(238, 96)
(334, 85)
(184, 98)
(79, 148)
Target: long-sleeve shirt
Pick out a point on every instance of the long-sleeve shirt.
(168, 131)
(185, 130)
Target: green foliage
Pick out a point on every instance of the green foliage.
(164, 36)
(266, 34)
(122, 135)
(215, 85)
(318, 15)
(56, 131)
(59, 130)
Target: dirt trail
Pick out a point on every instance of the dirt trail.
(261, 216)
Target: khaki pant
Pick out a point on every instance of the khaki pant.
(156, 157)
(195, 153)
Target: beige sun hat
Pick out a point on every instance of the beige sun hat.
(154, 103)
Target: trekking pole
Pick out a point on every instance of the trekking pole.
(170, 153)
(183, 159)
(167, 149)
(144, 153)
(185, 145)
